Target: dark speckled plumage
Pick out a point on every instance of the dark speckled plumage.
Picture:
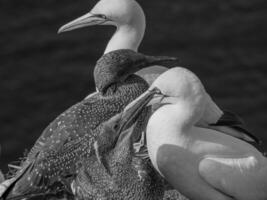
(116, 65)
(69, 137)
(129, 177)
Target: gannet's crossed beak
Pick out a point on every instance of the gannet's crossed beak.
(135, 108)
(125, 122)
(88, 19)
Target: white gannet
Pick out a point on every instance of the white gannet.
(200, 162)
(129, 19)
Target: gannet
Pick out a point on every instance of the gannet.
(129, 19)
(54, 157)
(201, 162)
(129, 177)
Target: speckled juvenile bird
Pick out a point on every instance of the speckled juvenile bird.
(128, 177)
(116, 173)
(69, 137)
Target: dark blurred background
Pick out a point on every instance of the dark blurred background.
(42, 73)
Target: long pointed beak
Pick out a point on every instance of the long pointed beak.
(131, 114)
(135, 108)
(88, 19)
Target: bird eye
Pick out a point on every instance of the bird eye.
(101, 16)
(116, 127)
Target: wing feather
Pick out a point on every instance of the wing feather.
(232, 124)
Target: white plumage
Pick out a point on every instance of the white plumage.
(199, 161)
(129, 19)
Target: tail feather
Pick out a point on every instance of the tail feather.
(8, 185)
(32, 181)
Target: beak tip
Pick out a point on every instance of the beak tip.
(60, 30)
(88, 19)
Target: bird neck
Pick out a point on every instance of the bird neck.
(127, 36)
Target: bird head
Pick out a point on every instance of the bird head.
(179, 88)
(179, 83)
(109, 12)
(117, 66)
(117, 133)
